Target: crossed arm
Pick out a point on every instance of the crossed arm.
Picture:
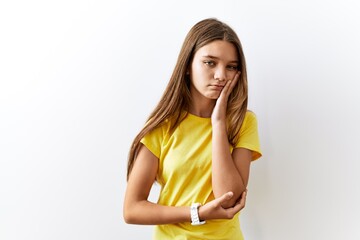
(138, 210)
(230, 174)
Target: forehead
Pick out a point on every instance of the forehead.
(221, 49)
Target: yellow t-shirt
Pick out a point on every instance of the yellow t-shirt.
(184, 173)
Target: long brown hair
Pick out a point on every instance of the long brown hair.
(176, 97)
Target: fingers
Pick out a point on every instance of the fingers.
(241, 203)
(237, 75)
(230, 84)
(228, 196)
(225, 197)
(234, 80)
(214, 209)
(243, 199)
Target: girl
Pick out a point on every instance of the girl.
(197, 143)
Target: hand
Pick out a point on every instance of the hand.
(214, 209)
(219, 111)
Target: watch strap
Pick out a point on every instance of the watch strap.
(194, 212)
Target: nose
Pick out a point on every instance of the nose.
(220, 74)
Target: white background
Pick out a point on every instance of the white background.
(78, 79)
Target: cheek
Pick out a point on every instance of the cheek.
(196, 69)
(202, 72)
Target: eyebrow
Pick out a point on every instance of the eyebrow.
(213, 57)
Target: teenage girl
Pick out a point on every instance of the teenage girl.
(197, 143)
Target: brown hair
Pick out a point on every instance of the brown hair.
(176, 97)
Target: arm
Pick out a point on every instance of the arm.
(230, 172)
(138, 210)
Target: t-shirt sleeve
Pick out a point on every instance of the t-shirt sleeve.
(153, 141)
(249, 136)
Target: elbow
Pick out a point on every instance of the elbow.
(235, 198)
(129, 215)
(128, 220)
(133, 212)
(126, 216)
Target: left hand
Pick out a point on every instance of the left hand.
(219, 111)
(214, 209)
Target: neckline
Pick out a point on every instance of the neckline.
(198, 117)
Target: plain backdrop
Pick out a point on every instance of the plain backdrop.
(78, 79)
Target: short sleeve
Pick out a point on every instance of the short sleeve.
(153, 141)
(249, 136)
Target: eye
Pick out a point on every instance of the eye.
(233, 67)
(209, 63)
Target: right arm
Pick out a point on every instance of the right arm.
(138, 210)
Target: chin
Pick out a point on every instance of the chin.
(213, 96)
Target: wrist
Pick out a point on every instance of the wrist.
(218, 125)
(201, 213)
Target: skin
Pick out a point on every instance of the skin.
(213, 76)
(213, 73)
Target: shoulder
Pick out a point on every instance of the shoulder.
(250, 124)
(250, 119)
(161, 129)
(249, 136)
(250, 115)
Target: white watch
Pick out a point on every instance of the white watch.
(195, 214)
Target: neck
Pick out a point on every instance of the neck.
(202, 108)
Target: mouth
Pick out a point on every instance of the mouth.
(217, 87)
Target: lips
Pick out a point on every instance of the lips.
(217, 86)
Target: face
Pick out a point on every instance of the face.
(212, 65)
